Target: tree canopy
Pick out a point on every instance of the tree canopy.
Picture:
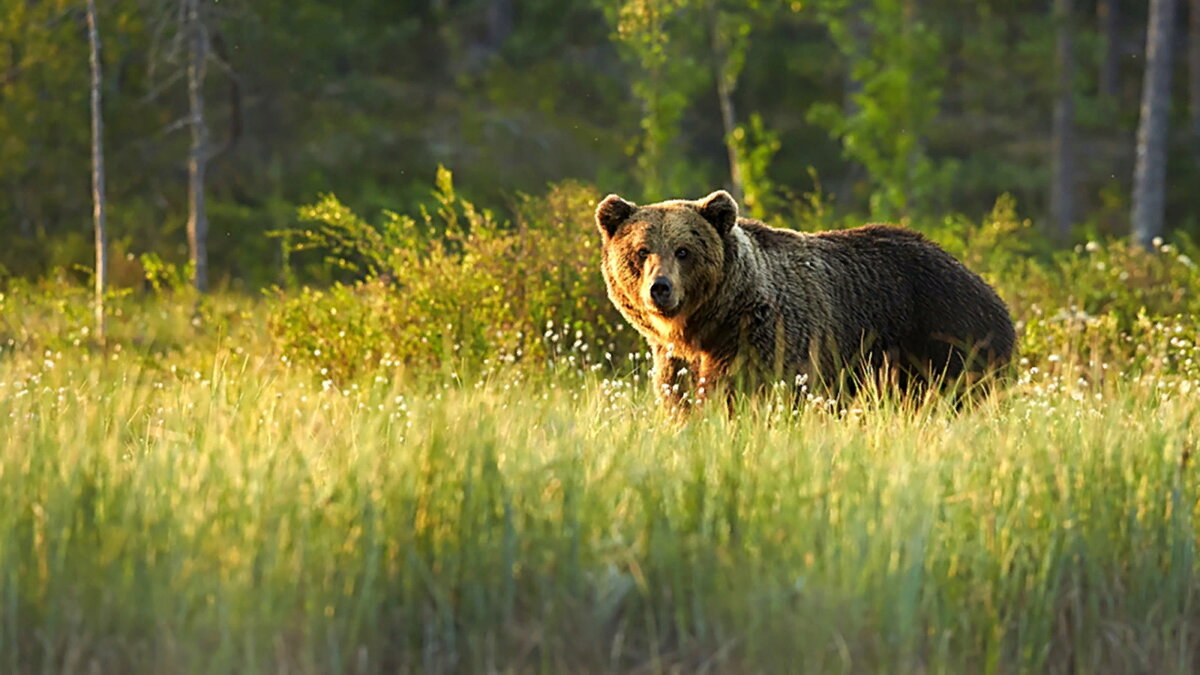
(889, 109)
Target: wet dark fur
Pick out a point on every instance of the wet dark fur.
(768, 304)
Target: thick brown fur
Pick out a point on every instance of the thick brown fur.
(720, 297)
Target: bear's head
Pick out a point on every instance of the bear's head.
(663, 261)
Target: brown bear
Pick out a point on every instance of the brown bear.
(721, 297)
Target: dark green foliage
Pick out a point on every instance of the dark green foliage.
(902, 109)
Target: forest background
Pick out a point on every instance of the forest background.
(851, 109)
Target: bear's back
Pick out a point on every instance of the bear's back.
(892, 286)
(950, 305)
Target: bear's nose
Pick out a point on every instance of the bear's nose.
(660, 291)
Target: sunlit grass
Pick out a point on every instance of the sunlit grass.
(210, 507)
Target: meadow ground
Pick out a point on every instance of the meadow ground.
(187, 501)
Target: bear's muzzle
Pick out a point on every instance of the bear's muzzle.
(662, 296)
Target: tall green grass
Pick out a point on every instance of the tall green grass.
(209, 508)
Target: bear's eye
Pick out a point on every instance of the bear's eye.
(643, 253)
(681, 253)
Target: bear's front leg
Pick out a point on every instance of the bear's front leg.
(711, 382)
(669, 377)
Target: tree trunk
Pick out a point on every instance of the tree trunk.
(1062, 201)
(1150, 172)
(24, 224)
(98, 199)
(1109, 13)
(499, 23)
(726, 82)
(860, 36)
(197, 224)
(1194, 68)
(729, 126)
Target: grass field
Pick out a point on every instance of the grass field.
(194, 504)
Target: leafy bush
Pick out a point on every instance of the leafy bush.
(166, 277)
(1121, 278)
(455, 287)
(1093, 345)
(1114, 303)
(53, 313)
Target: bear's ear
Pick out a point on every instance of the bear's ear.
(720, 210)
(611, 213)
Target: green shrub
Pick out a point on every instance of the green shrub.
(1093, 346)
(51, 314)
(166, 277)
(1121, 278)
(1111, 303)
(455, 287)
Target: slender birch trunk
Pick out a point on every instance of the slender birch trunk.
(725, 86)
(197, 223)
(98, 197)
